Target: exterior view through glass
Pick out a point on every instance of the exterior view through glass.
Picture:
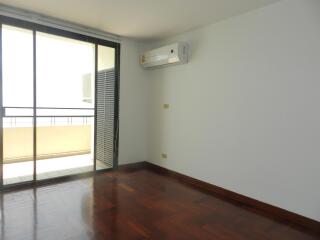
(50, 110)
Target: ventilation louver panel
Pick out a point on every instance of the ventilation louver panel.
(105, 117)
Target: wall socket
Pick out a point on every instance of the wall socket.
(164, 156)
(166, 106)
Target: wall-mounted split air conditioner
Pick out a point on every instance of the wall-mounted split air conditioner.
(176, 53)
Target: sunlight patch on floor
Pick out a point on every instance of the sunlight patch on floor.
(49, 168)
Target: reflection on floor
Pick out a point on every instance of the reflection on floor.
(139, 204)
(49, 168)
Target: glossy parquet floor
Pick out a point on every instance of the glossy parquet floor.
(131, 205)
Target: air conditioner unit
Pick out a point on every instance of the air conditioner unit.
(176, 53)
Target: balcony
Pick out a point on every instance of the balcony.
(64, 143)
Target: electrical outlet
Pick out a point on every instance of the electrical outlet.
(164, 156)
(166, 106)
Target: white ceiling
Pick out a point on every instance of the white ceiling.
(140, 19)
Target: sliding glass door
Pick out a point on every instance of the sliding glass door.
(65, 105)
(17, 102)
(59, 103)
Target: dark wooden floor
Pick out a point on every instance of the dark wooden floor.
(131, 205)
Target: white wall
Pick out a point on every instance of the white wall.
(244, 113)
(132, 135)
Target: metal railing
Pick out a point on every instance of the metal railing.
(46, 117)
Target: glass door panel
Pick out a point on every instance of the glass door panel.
(17, 114)
(65, 106)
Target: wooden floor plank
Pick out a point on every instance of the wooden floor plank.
(138, 204)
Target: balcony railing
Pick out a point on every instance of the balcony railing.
(46, 116)
(60, 132)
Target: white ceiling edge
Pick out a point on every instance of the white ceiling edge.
(37, 18)
(169, 35)
(172, 36)
(93, 29)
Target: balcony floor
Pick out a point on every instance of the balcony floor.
(49, 168)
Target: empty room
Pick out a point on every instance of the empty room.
(172, 119)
